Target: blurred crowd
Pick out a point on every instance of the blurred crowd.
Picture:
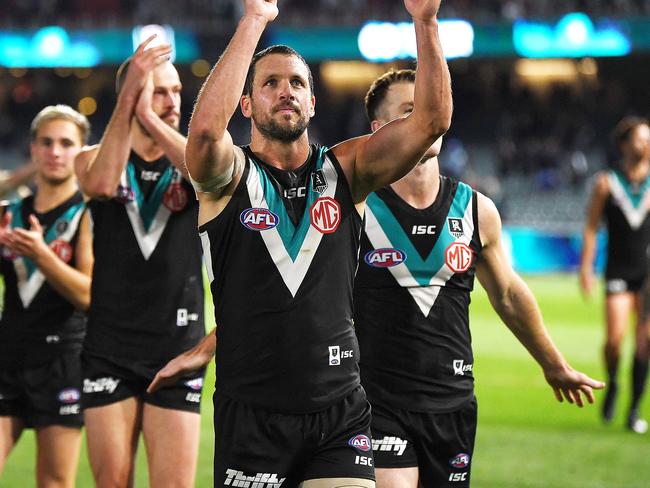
(203, 15)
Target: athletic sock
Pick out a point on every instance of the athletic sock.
(639, 378)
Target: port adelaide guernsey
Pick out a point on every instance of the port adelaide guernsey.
(281, 258)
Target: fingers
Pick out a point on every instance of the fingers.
(144, 44)
(6, 219)
(34, 224)
(156, 383)
(558, 395)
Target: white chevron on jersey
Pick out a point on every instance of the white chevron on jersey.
(292, 272)
(635, 215)
(424, 296)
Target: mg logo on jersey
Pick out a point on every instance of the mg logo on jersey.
(460, 368)
(460, 461)
(325, 215)
(69, 395)
(361, 442)
(384, 258)
(459, 257)
(258, 219)
(62, 249)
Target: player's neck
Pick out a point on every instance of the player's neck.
(636, 170)
(144, 145)
(419, 188)
(50, 195)
(282, 155)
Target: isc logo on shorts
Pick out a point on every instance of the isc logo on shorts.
(361, 442)
(258, 219)
(385, 257)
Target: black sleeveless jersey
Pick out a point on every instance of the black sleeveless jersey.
(628, 228)
(37, 323)
(283, 289)
(411, 299)
(147, 292)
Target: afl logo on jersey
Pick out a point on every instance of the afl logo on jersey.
(385, 258)
(459, 461)
(459, 257)
(62, 249)
(325, 215)
(258, 219)
(361, 442)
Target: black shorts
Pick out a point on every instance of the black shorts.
(621, 285)
(255, 447)
(111, 380)
(439, 444)
(44, 395)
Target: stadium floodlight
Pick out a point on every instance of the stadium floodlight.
(48, 47)
(386, 41)
(164, 35)
(575, 35)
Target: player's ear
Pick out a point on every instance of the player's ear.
(375, 124)
(245, 104)
(312, 106)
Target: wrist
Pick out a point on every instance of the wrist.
(255, 20)
(428, 21)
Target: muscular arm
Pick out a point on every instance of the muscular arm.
(18, 177)
(392, 151)
(210, 151)
(594, 214)
(73, 283)
(518, 309)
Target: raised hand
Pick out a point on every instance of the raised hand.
(570, 384)
(142, 64)
(266, 9)
(144, 101)
(422, 9)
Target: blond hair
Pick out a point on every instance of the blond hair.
(61, 112)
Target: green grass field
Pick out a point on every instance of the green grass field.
(525, 437)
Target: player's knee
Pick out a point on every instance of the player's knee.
(338, 483)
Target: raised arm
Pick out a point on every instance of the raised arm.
(594, 214)
(210, 151)
(99, 168)
(72, 283)
(390, 152)
(169, 139)
(518, 309)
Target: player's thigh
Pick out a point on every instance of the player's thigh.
(338, 483)
(57, 455)
(397, 477)
(10, 430)
(618, 308)
(112, 433)
(172, 442)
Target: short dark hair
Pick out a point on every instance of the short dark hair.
(276, 49)
(120, 76)
(625, 127)
(377, 91)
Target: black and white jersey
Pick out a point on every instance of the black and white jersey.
(281, 258)
(38, 323)
(147, 291)
(411, 298)
(626, 216)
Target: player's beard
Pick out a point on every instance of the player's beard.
(283, 133)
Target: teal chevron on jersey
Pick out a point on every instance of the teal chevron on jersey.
(292, 237)
(149, 207)
(421, 269)
(635, 197)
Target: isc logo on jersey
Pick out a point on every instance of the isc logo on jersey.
(361, 442)
(459, 257)
(258, 219)
(325, 215)
(385, 257)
